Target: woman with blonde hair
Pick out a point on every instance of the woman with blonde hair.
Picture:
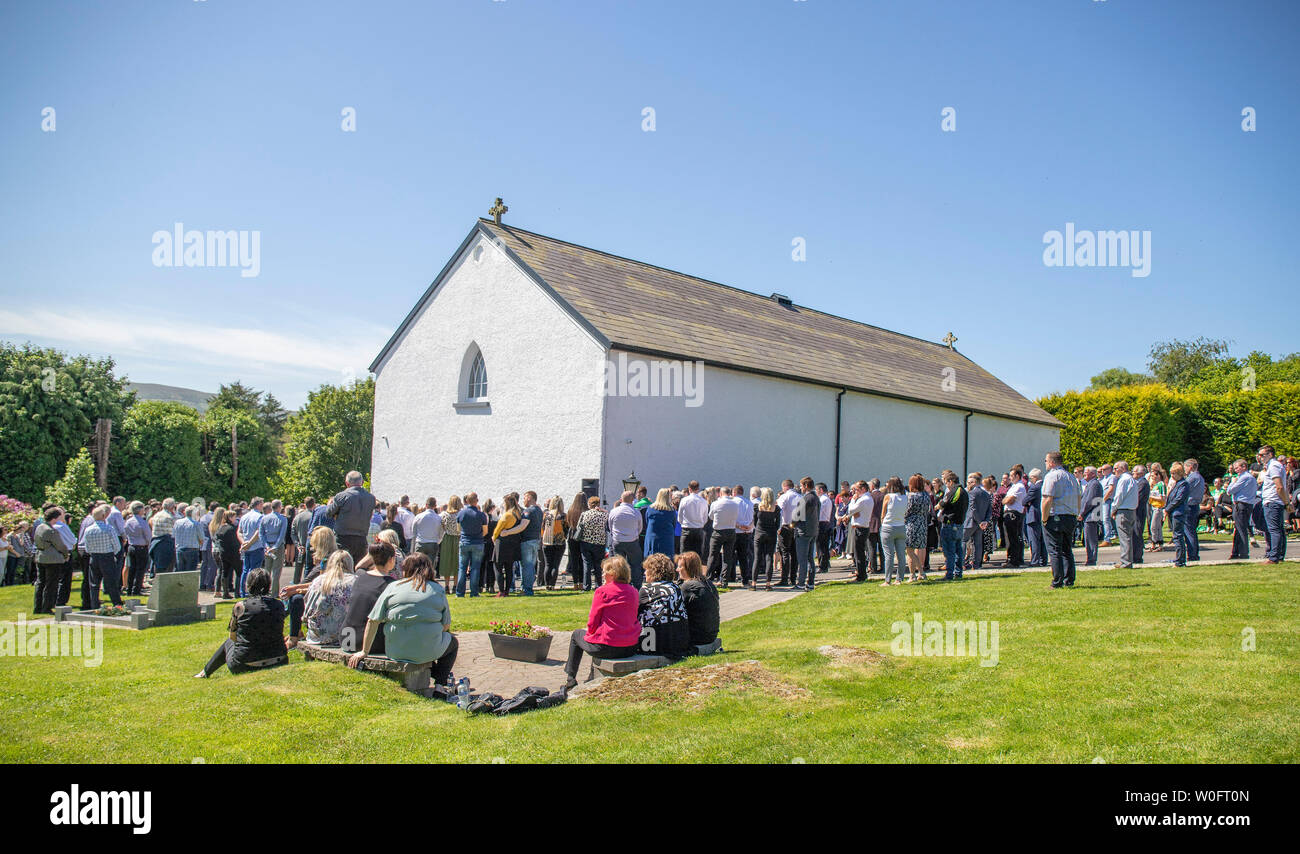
(613, 630)
(1177, 508)
(660, 525)
(326, 601)
(1159, 490)
(767, 523)
(449, 550)
(393, 538)
(554, 529)
(508, 539)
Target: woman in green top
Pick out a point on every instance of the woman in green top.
(415, 619)
(1158, 479)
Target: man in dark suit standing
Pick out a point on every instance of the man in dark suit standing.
(1090, 514)
(1143, 509)
(1034, 519)
(978, 518)
(875, 559)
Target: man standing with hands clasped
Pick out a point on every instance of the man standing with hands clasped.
(1060, 515)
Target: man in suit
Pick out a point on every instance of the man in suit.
(1090, 513)
(1195, 494)
(1143, 509)
(978, 517)
(1034, 519)
(875, 558)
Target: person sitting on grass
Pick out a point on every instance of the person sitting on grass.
(613, 630)
(416, 621)
(701, 599)
(662, 609)
(325, 603)
(256, 631)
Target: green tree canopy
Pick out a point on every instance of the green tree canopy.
(263, 406)
(1176, 363)
(1118, 378)
(159, 452)
(220, 427)
(331, 436)
(77, 489)
(48, 407)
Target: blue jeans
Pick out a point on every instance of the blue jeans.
(471, 558)
(893, 540)
(528, 564)
(253, 559)
(950, 540)
(162, 554)
(1179, 530)
(187, 560)
(1274, 520)
(803, 550)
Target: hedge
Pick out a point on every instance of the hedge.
(1153, 423)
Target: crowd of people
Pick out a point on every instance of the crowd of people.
(364, 570)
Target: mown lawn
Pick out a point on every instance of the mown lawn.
(1142, 665)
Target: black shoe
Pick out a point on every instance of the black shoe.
(569, 684)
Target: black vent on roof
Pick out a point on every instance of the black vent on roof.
(782, 299)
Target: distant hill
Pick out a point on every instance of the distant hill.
(188, 396)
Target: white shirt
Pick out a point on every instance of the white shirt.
(427, 527)
(895, 515)
(1269, 492)
(724, 512)
(860, 509)
(406, 519)
(693, 511)
(828, 507)
(745, 518)
(786, 502)
(1019, 496)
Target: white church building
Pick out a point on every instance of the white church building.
(535, 363)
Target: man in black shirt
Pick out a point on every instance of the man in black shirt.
(952, 517)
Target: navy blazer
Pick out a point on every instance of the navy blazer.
(1176, 501)
(1034, 504)
(1089, 498)
(981, 507)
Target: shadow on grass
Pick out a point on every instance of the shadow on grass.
(1109, 586)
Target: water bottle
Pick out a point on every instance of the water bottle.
(462, 693)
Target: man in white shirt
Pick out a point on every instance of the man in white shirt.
(692, 513)
(426, 528)
(1273, 493)
(722, 545)
(1107, 479)
(1123, 509)
(858, 517)
(1013, 517)
(744, 536)
(406, 518)
(625, 527)
(785, 535)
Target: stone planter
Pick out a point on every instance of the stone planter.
(532, 650)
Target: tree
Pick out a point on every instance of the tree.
(264, 407)
(331, 436)
(1248, 374)
(77, 489)
(1176, 363)
(49, 404)
(159, 452)
(1118, 378)
(221, 428)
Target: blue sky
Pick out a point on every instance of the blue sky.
(774, 120)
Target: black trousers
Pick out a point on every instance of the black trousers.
(1011, 524)
(441, 668)
(65, 583)
(1241, 529)
(228, 569)
(824, 531)
(138, 565)
(1140, 535)
(297, 604)
(102, 572)
(861, 539)
(1058, 535)
(574, 563)
(722, 555)
(46, 594)
(875, 559)
(764, 549)
(743, 557)
(692, 541)
(789, 562)
(353, 544)
(551, 558)
(578, 644)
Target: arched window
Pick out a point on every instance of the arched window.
(476, 389)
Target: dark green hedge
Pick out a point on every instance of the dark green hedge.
(1152, 423)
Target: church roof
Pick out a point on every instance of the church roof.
(639, 307)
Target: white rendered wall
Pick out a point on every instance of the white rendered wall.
(543, 429)
(751, 429)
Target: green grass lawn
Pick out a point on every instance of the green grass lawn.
(1141, 665)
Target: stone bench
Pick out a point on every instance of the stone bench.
(633, 663)
(414, 677)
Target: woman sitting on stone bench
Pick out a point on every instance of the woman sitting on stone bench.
(325, 604)
(613, 630)
(256, 631)
(701, 599)
(323, 544)
(415, 618)
(662, 610)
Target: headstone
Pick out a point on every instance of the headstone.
(175, 598)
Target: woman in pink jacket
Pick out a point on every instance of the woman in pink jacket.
(613, 630)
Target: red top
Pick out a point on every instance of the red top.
(613, 619)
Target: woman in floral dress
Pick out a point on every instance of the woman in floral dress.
(917, 522)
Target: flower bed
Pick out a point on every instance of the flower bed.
(519, 640)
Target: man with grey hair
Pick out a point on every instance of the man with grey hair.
(189, 542)
(1060, 514)
(162, 547)
(350, 510)
(1123, 509)
(1090, 508)
(1143, 511)
(273, 530)
(1034, 518)
(625, 527)
(1195, 494)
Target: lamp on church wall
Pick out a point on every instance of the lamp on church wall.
(630, 483)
